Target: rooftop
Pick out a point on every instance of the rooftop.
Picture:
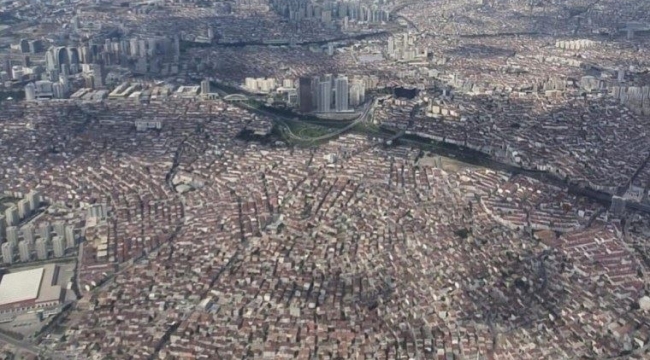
(20, 286)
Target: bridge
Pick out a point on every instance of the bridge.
(390, 140)
(235, 98)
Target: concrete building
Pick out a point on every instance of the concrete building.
(31, 290)
(44, 89)
(46, 232)
(25, 251)
(3, 226)
(205, 87)
(618, 205)
(58, 90)
(305, 95)
(315, 87)
(324, 96)
(98, 76)
(30, 92)
(7, 253)
(41, 249)
(60, 55)
(357, 93)
(342, 94)
(59, 228)
(69, 237)
(11, 215)
(12, 235)
(97, 211)
(23, 209)
(58, 244)
(28, 233)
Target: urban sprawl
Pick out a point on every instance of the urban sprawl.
(276, 179)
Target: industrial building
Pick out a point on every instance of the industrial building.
(30, 290)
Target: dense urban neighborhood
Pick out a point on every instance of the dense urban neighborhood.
(275, 179)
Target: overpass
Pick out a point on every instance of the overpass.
(235, 98)
(390, 140)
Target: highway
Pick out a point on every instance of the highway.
(25, 346)
(282, 120)
(467, 155)
(464, 154)
(368, 110)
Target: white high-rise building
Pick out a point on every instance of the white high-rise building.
(25, 251)
(205, 87)
(30, 92)
(330, 49)
(391, 46)
(97, 211)
(58, 90)
(342, 94)
(11, 214)
(133, 47)
(41, 249)
(28, 233)
(3, 226)
(98, 77)
(76, 24)
(12, 235)
(142, 47)
(46, 232)
(34, 198)
(324, 96)
(59, 228)
(58, 244)
(250, 84)
(7, 253)
(23, 209)
(69, 237)
(357, 93)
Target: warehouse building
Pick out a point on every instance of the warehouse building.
(33, 290)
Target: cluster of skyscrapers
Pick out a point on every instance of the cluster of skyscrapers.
(402, 48)
(25, 242)
(60, 63)
(63, 59)
(330, 10)
(22, 240)
(37, 244)
(150, 53)
(26, 46)
(327, 93)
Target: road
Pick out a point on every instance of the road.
(471, 156)
(369, 109)
(25, 346)
(283, 120)
(467, 155)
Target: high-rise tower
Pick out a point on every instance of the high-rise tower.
(342, 97)
(305, 94)
(324, 96)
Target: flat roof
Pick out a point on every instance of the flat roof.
(49, 290)
(20, 286)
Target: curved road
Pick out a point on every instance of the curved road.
(277, 118)
(358, 120)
